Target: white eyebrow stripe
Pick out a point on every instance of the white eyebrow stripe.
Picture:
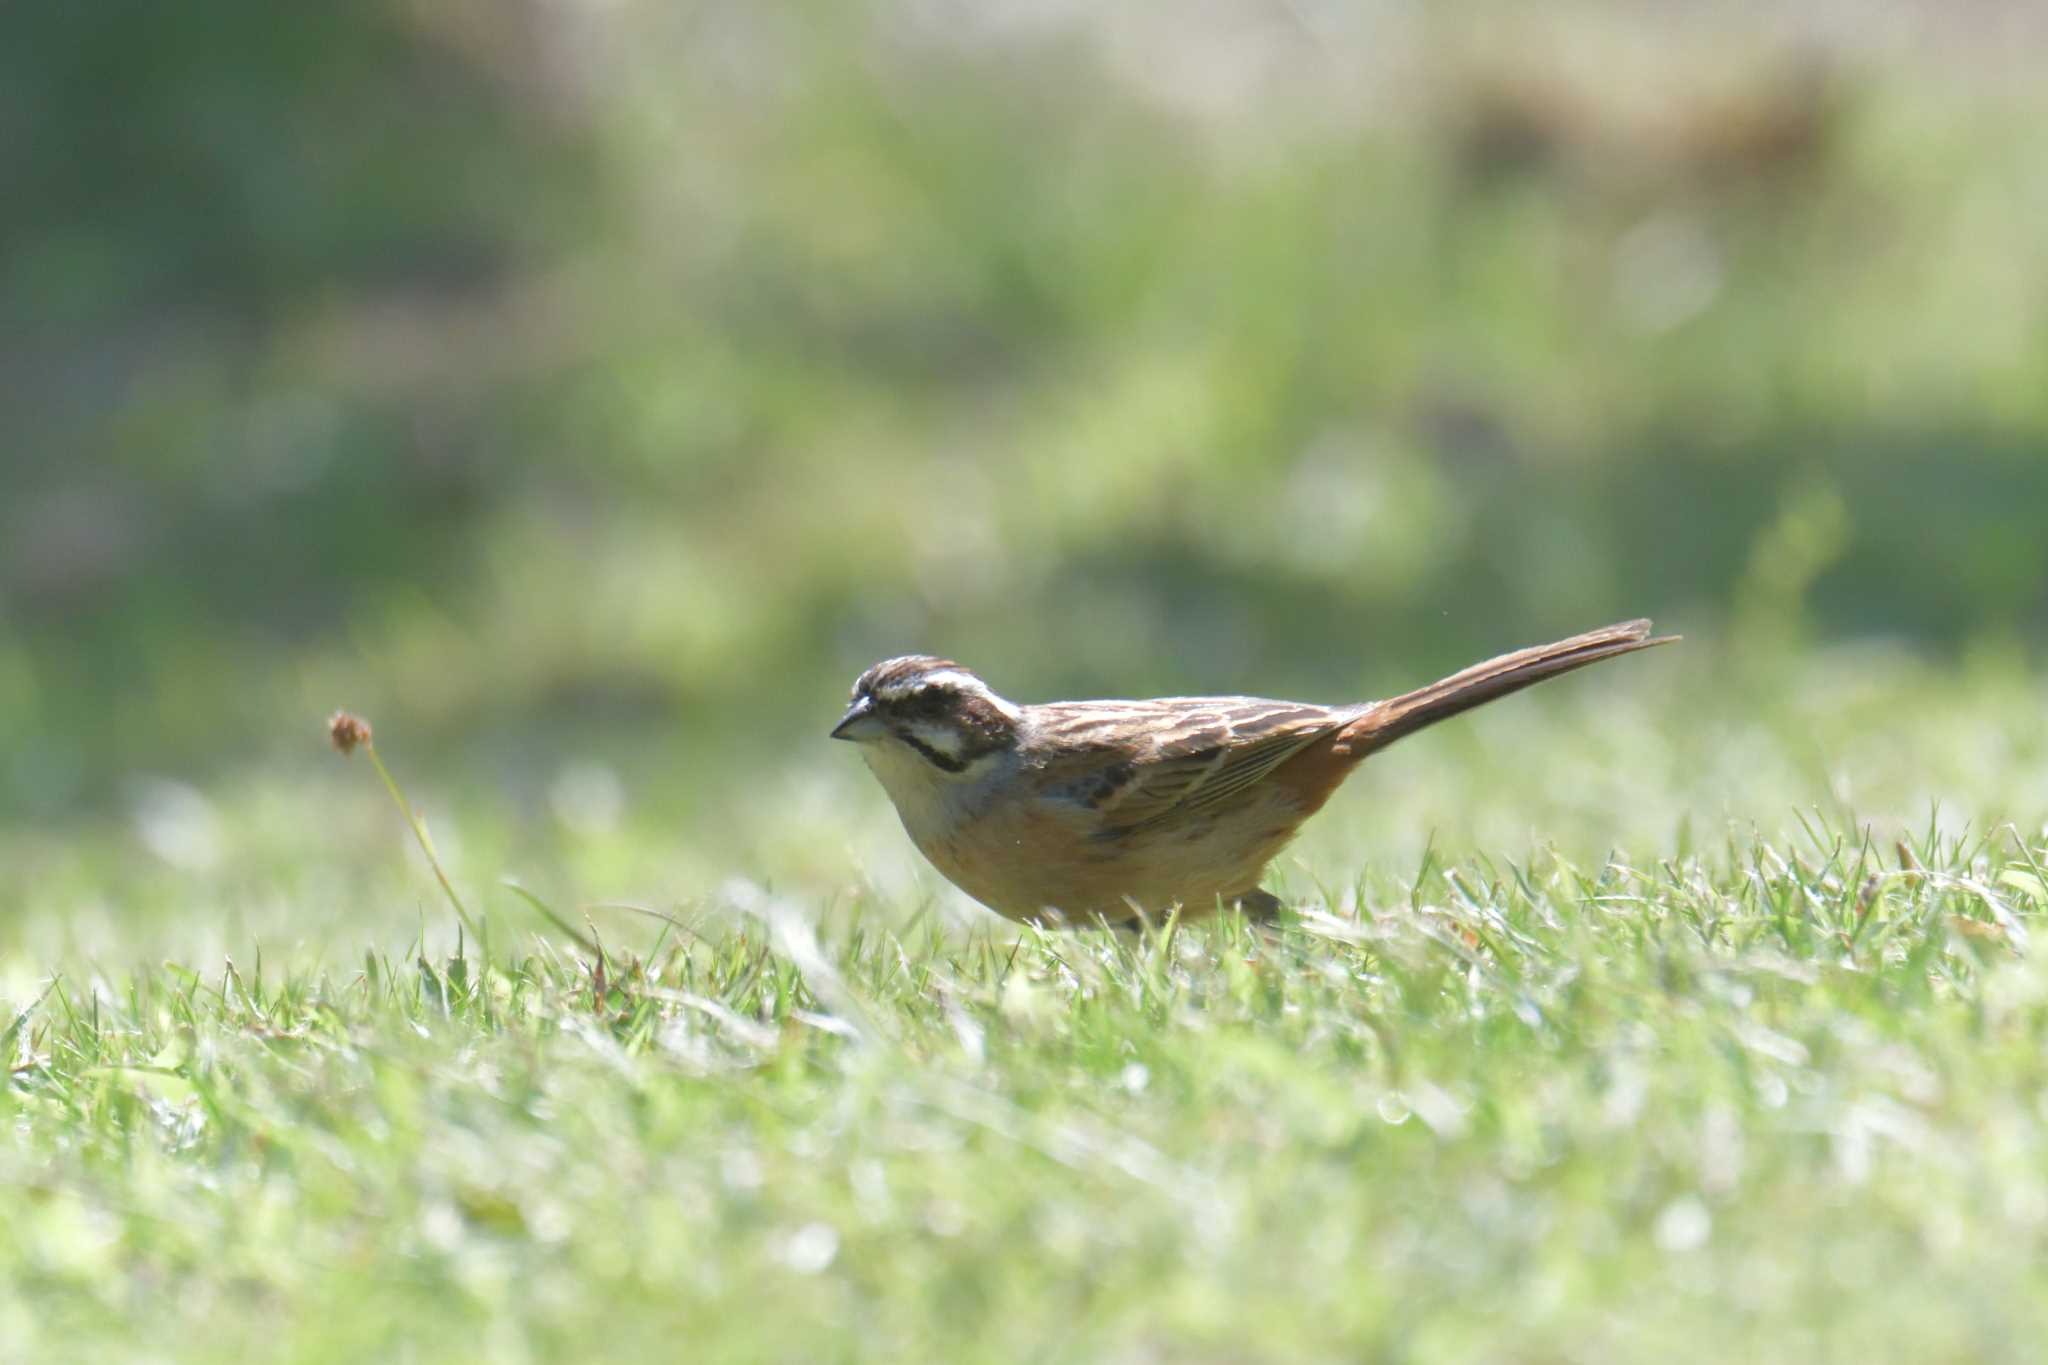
(953, 677)
(944, 677)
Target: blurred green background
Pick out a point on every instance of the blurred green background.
(586, 391)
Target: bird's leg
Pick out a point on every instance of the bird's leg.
(1259, 905)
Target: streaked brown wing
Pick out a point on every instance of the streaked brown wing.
(1194, 753)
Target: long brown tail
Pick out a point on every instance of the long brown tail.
(1387, 721)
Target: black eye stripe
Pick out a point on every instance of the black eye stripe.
(927, 700)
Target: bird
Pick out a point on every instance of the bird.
(1127, 812)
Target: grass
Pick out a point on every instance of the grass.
(1784, 1097)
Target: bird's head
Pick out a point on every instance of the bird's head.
(931, 708)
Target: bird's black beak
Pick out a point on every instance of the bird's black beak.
(860, 721)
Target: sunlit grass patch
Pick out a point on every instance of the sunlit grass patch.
(1704, 1106)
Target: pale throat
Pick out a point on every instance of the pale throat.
(929, 800)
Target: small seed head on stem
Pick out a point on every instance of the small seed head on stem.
(346, 731)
